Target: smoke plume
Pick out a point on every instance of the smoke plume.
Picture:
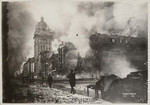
(115, 62)
(75, 21)
(20, 40)
(72, 21)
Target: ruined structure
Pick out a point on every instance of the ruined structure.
(105, 47)
(65, 59)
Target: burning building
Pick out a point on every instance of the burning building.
(124, 60)
(118, 55)
(66, 59)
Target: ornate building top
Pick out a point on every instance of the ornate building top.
(42, 28)
(41, 25)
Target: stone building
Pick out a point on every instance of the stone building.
(43, 37)
(28, 68)
(25, 71)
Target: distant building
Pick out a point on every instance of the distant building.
(43, 37)
(65, 59)
(54, 61)
(80, 64)
(62, 51)
(25, 71)
(29, 68)
(61, 56)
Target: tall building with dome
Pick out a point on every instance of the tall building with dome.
(43, 37)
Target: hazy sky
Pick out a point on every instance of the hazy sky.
(68, 18)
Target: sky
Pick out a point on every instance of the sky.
(72, 21)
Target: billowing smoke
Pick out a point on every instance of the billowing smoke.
(115, 62)
(72, 21)
(75, 21)
(55, 45)
(132, 18)
(21, 67)
(131, 29)
(20, 40)
(88, 16)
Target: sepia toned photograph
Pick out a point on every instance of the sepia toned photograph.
(74, 51)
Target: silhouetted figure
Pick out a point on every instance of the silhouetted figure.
(50, 80)
(72, 80)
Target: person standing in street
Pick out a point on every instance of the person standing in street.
(50, 80)
(72, 80)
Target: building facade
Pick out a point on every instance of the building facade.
(43, 37)
(25, 71)
(29, 69)
(43, 64)
(67, 58)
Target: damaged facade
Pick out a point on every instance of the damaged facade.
(69, 58)
(133, 48)
(66, 59)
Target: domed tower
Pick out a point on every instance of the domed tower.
(43, 37)
(41, 27)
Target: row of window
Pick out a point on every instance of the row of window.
(43, 40)
(43, 47)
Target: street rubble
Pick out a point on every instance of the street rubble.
(47, 95)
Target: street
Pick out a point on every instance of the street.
(59, 93)
(47, 95)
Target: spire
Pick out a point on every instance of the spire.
(42, 19)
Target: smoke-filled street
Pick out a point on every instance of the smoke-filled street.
(75, 51)
(47, 95)
(59, 93)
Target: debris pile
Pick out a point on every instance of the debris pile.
(47, 95)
